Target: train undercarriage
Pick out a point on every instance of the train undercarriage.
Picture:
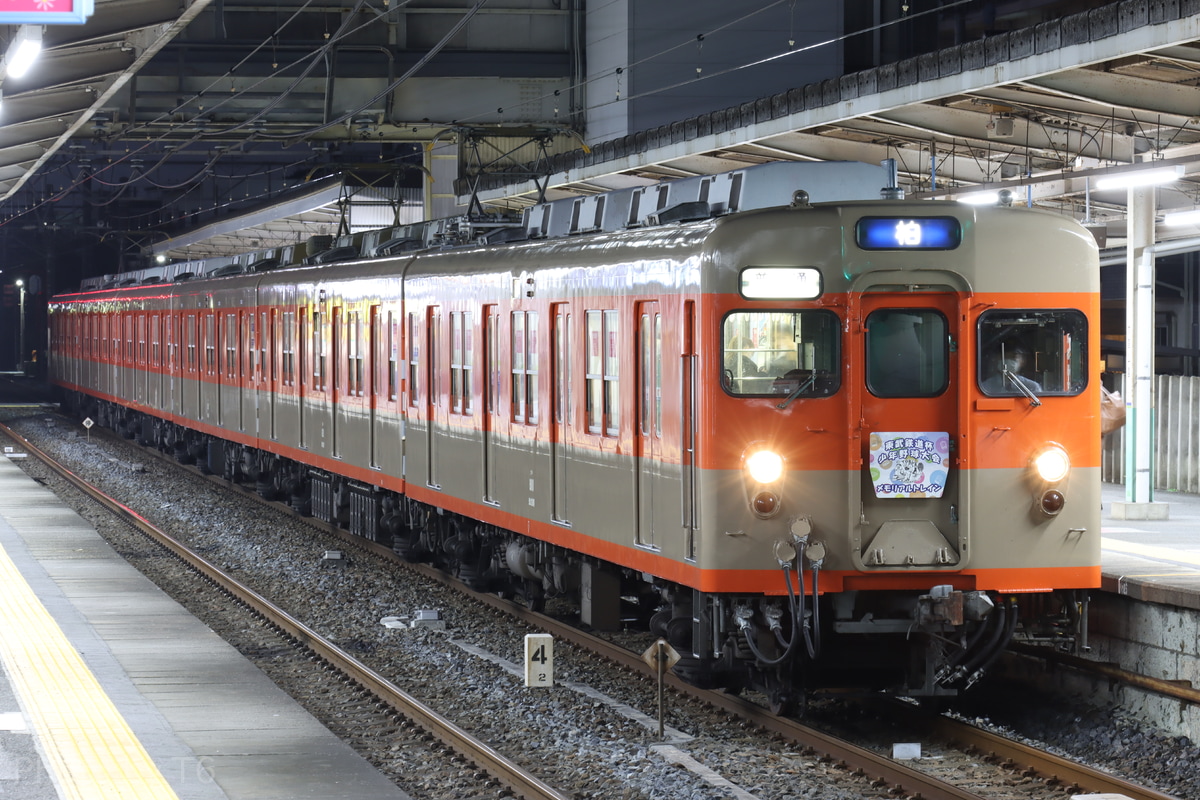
(928, 645)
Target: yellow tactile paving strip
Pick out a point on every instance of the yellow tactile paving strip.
(86, 742)
(1151, 551)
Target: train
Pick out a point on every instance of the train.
(814, 442)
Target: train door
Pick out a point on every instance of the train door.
(250, 385)
(235, 347)
(304, 372)
(562, 419)
(143, 363)
(336, 390)
(270, 365)
(491, 401)
(171, 334)
(648, 451)
(128, 361)
(687, 427)
(190, 386)
(433, 318)
(908, 487)
(375, 361)
(156, 362)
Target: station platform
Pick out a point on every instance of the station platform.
(1157, 561)
(110, 689)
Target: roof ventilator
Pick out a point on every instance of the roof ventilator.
(692, 211)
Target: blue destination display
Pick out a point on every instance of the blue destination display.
(908, 233)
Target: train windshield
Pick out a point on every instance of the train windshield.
(781, 353)
(908, 353)
(1044, 351)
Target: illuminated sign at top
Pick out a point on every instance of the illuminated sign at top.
(45, 12)
(908, 233)
(781, 283)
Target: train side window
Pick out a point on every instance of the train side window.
(250, 337)
(192, 351)
(288, 348)
(264, 336)
(393, 346)
(231, 346)
(781, 352)
(210, 344)
(492, 367)
(468, 360)
(435, 347)
(460, 362)
(318, 351)
(141, 335)
(908, 353)
(1044, 350)
(354, 354)
(525, 367)
(155, 339)
(603, 373)
(612, 374)
(414, 358)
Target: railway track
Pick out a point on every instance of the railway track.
(524, 783)
(882, 771)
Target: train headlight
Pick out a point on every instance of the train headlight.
(1052, 463)
(765, 466)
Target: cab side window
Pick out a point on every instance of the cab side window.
(1043, 351)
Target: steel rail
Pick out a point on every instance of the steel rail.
(1047, 765)
(499, 767)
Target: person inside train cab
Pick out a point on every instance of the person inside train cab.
(1006, 365)
(781, 354)
(737, 359)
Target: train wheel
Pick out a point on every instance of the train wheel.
(786, 702)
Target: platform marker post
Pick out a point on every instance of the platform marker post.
(661, 657)
(539, 659)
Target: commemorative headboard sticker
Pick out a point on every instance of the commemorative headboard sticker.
(909, 463)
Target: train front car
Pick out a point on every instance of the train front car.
(903, 423)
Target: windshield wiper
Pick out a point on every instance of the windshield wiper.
(799, 390)
(1012, 378)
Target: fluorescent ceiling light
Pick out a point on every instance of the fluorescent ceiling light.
(1191, 217)
(979, 198)
(1140, 177)
(22, 50)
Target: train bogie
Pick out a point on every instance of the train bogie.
(809, 445)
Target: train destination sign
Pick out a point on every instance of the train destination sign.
(908, 233)
(781, 283)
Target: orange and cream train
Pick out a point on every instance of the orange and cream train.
(813, 445)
